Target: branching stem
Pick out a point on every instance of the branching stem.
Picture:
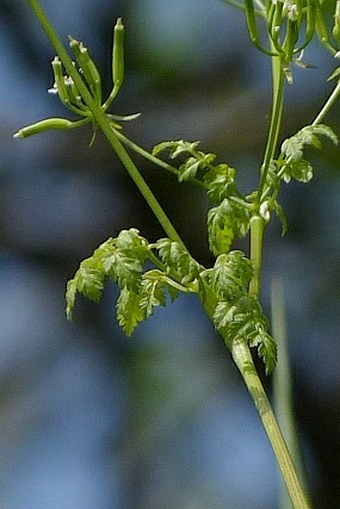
(153, 159)
(104, 124)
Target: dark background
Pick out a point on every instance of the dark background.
(89, 419)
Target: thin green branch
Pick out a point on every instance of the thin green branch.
(328, 105)
(275, 122)
(104, 124)
(153, 159)
(240, 6)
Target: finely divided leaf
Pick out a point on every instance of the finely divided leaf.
(294, 165)
(266, 347)
(292, 148)
(178, 260)
(121, 259)
(122, 267)
(153, 294)
(231, 273)
(135, 307)
(175, 147)
(225, 222)
(241, 319)
(221, 183)
(129, 312)
(309, 134)
(88, 280)
(299, 170)
(130, 239)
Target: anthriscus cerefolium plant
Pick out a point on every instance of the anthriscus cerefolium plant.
(149, 272)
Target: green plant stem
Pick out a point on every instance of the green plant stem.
(104, 124)
(328, 105)
(240, 6)
(257, 225)
(153, 159)
(243, 359)
(275, 122)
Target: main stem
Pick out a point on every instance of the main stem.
(243, 359)
(104, 124)
(257, 223)
(240, 351)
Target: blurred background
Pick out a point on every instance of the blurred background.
(88, 418)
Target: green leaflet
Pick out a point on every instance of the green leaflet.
(238, 316)
(266, 346)
(301, 170)
(88, 280)
(225, 222)
(231, 215)
(178, 261)
(129, 313)
(133, 308)
(221, 183)
(241, 319)
(291, 163)
(122, 259)
(219, 179)
(196, 163)
(231, 274)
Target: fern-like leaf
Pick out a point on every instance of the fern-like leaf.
(152, 292)
(178, 260)
(129, 312)
(241, 319)
(292, 148)
(225, 222)
(266, 347)
(230, 275)
(88, 280)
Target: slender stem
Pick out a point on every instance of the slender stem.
(243, 359)
(328, 105)
(155, 160)
(257, 225)
(275, 122)
(104, 123)
(238, 5)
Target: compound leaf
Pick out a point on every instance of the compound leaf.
(178, 260)
(231, 273)
(292, 148)
(129, 312)
(301, 171)
(225, 222)
(266, 347)
(88, 280)
(152, 292)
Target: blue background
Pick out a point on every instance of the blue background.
(89, 419)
